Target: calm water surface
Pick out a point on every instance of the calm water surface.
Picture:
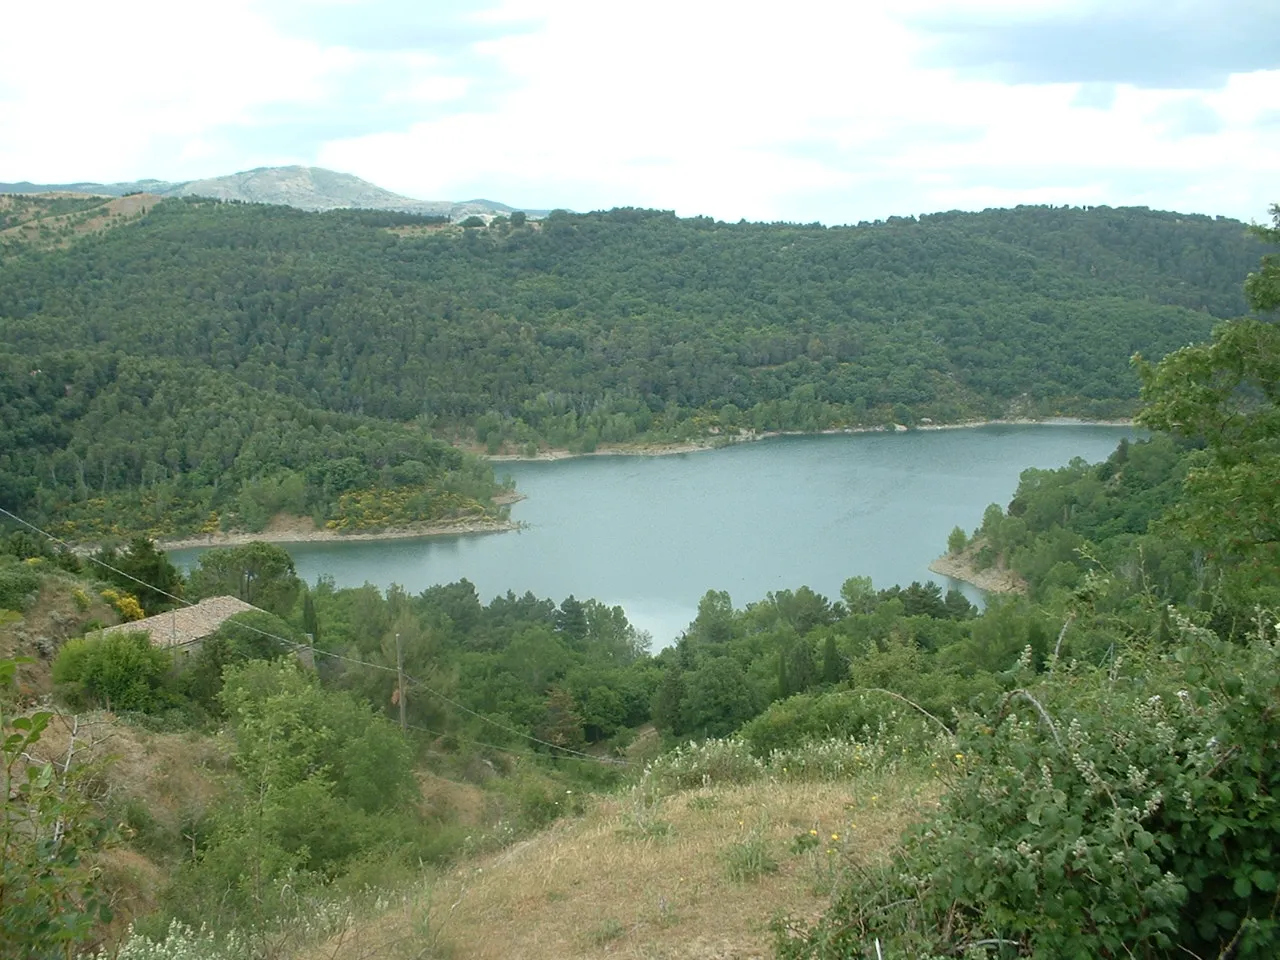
(655, 533)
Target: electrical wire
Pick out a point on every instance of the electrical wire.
(325, 653)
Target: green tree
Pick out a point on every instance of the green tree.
(716, 621)
(244, 637)
(258, 573)
(667, 708)
(1226, 395)
(571, 620)
(160, 579)
(957, 540)
(859, 595)
(718, 699)
(562, 724)
(1263, 288)
(322, 777)
(310, 620)
(833, 665)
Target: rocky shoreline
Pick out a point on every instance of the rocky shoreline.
(237, 538)
(992, 580)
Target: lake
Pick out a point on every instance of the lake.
(653, 534)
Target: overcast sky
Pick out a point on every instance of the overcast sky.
(837, 111)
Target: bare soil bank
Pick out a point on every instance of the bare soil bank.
(306, 533)
(992, 579)
(723, 440)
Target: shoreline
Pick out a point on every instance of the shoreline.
(717, 442)
(238, 538)
(991, 580)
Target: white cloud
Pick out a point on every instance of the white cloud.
(799, 111)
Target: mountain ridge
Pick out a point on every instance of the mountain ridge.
(307, 188)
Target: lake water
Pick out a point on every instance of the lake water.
(655, 533)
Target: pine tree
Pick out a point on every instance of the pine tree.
(310, 621)
(833, 668)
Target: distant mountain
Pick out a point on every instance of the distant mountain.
(308, 188)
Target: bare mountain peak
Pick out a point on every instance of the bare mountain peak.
(307, 188)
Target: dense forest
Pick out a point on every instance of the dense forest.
(99, 444)
(580, 330)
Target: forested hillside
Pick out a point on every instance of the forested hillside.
(100, 443)
(224, 361)
(607, 326)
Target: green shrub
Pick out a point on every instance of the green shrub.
(834, 715)
(244, 637)
(19, 584)
(50, 903)
(704, 764)
(1127, 812)
(118, 671)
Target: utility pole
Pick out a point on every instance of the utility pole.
(400, 682)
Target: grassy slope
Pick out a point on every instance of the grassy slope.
(638, 875)
(156, 785)
(40, 631)
(649, 880)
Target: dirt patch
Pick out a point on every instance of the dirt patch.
(286, 524)
(172, 775)
(461, 803)
(154, 786)
(135, 882)
(43, 227)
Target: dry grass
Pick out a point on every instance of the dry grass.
(44, 229)
(174, 778)
(40, 631)
(452, 801)
(649, 880)
(172, 775)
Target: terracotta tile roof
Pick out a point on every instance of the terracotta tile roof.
(186, 624)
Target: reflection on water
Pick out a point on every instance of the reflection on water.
(653, 534)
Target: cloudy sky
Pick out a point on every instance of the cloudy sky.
(836, 111)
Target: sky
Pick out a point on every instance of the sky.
(836, 111)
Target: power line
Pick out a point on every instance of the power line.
(512, 730)
(458, 736)
(325, 653)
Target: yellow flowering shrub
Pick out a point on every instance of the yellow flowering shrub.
(125, 604)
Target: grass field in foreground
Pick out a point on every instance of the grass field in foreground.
(697, 874)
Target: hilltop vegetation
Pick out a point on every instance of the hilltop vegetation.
(307, 188)
(237, 342)
(609, 326)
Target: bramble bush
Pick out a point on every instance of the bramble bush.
(716, 762)
(50, 899)
(1120, 812)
